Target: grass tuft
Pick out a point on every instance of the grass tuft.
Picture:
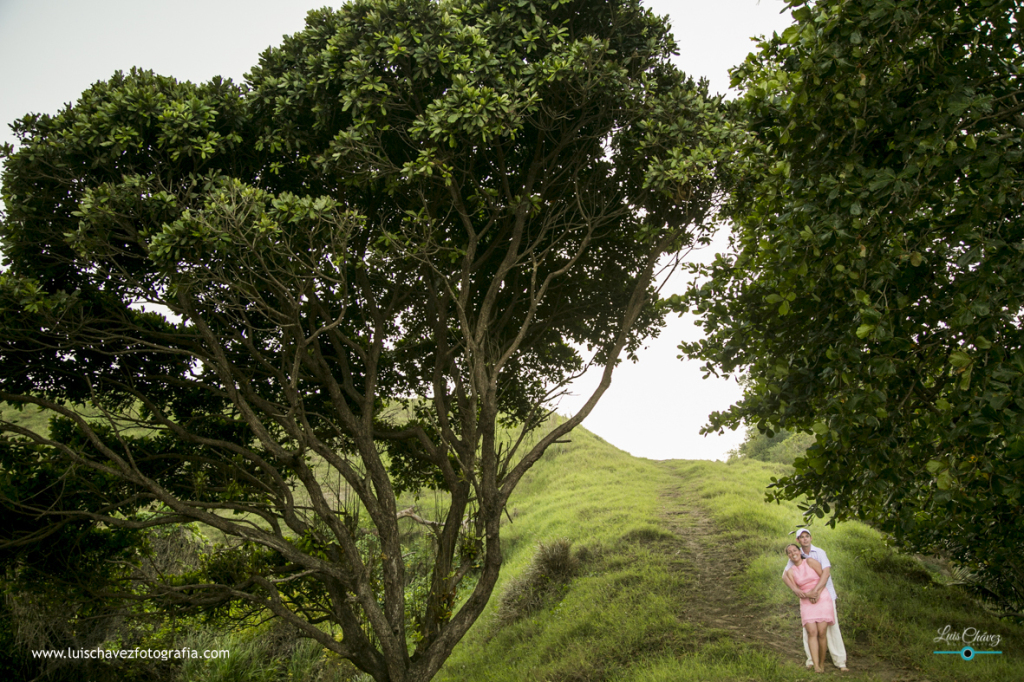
(544, 582)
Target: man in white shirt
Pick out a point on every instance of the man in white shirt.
(832, 634)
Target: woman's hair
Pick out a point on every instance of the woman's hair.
(792, 544)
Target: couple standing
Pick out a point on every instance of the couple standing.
(808, 575)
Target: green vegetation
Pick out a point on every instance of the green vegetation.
(279, 316)
(891, 605)
(623, 601)
(31, 417)
(634, 612)
(873, 295)
(613, 565)
(782, 447)
(457, 205)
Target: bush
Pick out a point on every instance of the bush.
(895, 565)
(781, 448)
(545, 581)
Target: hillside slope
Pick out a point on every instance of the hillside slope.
(674, 574)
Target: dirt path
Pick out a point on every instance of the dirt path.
(715, 603)
(713, 600)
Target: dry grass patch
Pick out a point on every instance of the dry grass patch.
(544, 582)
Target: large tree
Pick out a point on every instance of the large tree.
(271, 308)
(874, 293)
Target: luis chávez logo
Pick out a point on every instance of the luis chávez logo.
(970, 638)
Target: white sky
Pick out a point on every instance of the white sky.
(52, 50)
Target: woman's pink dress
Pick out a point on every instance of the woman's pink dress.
(820, 612)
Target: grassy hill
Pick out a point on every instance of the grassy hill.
(625, 569)
(676, 576)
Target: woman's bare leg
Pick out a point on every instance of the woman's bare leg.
(822, 644)
(812, 644)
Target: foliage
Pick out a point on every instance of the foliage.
(782, 447)
(222, 291)
(874, 295)
(544, 581)
(268, 653)
(60, 592)
(84, 588)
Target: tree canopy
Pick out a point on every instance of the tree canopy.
(273, 307)
(874, 294)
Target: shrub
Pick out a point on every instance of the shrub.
(545, 581)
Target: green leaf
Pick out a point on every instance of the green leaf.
(903, 185)
(959, 358)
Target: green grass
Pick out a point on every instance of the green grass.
(891, 606)
(622, 604)
(624, 618)
(627, 611)
(29, 417)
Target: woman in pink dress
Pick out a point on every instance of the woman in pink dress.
(815, 613)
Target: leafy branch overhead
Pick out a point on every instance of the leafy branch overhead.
(874, 295)
(273, 307)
